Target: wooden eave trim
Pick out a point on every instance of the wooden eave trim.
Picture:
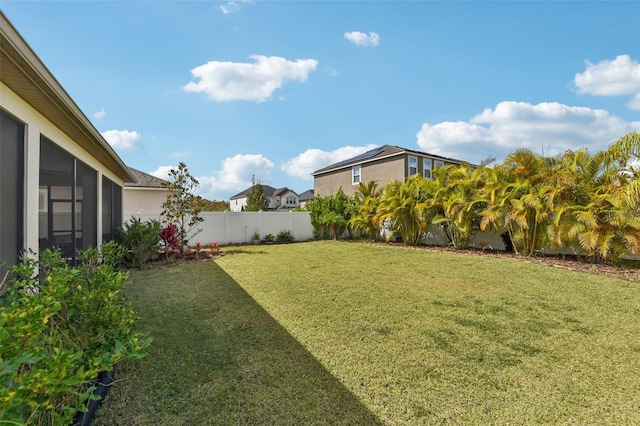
(32, 68)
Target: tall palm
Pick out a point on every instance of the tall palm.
(606, 228)
(520, 198)
(624, 157)
(398, 203)
(456, 200)
(366, 190)
(364, 217)
(603, 216)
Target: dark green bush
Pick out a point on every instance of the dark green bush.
(58, 334)
(140, 241)
(284, 236)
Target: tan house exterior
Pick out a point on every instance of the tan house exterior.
(145, 195)
(383, 164)
(60, 181)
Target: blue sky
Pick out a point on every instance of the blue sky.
(278, 89)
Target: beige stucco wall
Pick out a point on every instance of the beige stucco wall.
(36, 125)
(138, 200)
(382, 171)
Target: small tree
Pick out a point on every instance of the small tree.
(256, 199)
(182, 207)
(330, 214)
(214, 206)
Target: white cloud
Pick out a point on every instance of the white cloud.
(123, 139)
(634, 103)
(232, 6)
(100, 114)
(551, 126)
(363, 39)
(229, 81)
(236, 175)
(611, 78)
(313, 159)
(162, 172)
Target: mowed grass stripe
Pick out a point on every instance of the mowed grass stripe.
(426, 336)
(283, 333)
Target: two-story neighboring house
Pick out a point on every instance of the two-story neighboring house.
(279, 199)
(60, 181)
(382, 164)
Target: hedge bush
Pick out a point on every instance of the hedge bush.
(284, 236)
(60, 328)
(140, 240)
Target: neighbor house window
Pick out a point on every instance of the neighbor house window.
(291, 200)
(11, 190)
(426, 168)
(413, 166)
(356, 175)
(439, 164)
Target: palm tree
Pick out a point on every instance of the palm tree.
(366, 190)
(366, 207)
(457, 203)
(398, 204)
(520, 198)
(603, 213)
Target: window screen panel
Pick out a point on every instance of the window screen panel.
(11, 189)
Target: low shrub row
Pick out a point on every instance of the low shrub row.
(60, 327)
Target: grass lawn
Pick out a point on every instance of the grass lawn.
(349, 333)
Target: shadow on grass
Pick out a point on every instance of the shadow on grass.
(219, 358)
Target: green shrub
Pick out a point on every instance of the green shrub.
(140, 241)
(269, 238)
(58, 334)
(284, 236)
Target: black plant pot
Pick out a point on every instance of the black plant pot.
(103, 383)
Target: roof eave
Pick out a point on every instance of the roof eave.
(29, 73)
(349, 165)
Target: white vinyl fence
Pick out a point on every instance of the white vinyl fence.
(238, 227)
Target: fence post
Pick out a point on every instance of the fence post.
(225, 223)
(291, 224)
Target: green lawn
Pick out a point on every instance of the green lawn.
(348, 333)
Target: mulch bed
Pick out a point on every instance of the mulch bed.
(629, 271)
(188, 256)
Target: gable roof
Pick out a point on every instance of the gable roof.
(25, 74)
(384, 151)
(266, 190)
(306, 195)
(144, 180)
(281, 191)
